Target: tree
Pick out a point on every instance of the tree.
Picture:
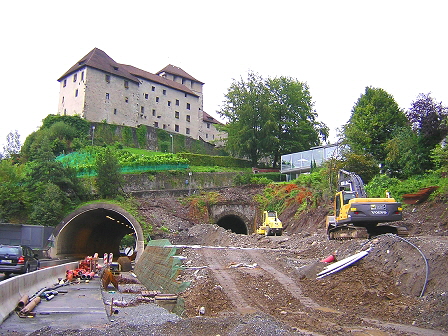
(294, 118)
(405, 154)
(12, 193)
(429, 120)
(12, 144)
(249, 128)
(269, 117)
(374, 118)
(109, 180)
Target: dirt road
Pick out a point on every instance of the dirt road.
(262, 280)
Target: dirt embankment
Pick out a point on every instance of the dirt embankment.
(399, 288)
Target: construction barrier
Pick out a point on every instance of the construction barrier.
(14, 289)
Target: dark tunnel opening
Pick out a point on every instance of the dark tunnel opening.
(233, 223)
(94, 231)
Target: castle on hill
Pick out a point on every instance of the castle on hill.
(99, 89)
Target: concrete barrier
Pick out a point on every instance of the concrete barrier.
(12, 290)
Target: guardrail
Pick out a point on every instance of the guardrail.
(13, 289)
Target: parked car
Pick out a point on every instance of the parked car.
(17, 259)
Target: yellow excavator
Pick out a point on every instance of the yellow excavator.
(271, 225)
(358, 216)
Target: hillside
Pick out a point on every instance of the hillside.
(276, 276)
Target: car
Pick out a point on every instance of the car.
(18, 259)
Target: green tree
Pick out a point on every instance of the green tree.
(12, 193)
(109, 180)
(52, 189)
(268, 117)
(405, 154)
(294, 118)
(250, 126)
(372, 123)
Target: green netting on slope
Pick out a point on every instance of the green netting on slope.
(158, 268)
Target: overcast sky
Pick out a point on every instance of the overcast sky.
(337, 47)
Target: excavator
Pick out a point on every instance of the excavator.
(271, 226)
(358, 216)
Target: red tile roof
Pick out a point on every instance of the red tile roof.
(98, 59)
(158, 79)
(208, 118)
(174, 70)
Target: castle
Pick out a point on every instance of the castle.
(101, 90)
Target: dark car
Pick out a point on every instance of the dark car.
(17, 259)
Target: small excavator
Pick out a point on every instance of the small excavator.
(358, 216)
(271, 226)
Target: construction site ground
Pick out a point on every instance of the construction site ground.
(258, 285)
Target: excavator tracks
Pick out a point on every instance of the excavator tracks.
(348, 232)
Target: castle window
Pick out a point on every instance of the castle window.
(76, 93)
(65, 82)
(187, 130)
(82, 76)
(177, 102)
(153, 88)
(176, 128)
(176, 115)
(63, 98)
(156, 124)
(75, 77)
(107, 78)
(154, 113)
(169, 103)
(206, 136)
(126, 99)
(164, 126)
(185, 95)
(164, 92)
(188, 118)
(115, 111)
(146, 96)
(107, 96)
(157, 99)
(142, 109)
(126, 84)
(208, 125)
(188, 106)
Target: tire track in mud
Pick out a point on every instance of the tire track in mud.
(287, 283)
(217, 264)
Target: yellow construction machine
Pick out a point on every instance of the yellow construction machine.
(271, 225)
(358, 216)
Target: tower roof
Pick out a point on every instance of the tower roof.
(158, 79)
(174, 70)
(98, 59)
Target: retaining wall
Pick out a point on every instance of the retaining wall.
(13, 289)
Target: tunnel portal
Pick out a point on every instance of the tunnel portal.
(233, 223)
(96, 228)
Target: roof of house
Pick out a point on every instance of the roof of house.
(174, 70)
(98, 59)
(208, 118)
(158, 79)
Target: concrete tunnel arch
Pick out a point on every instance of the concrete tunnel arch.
(95, 228)
(233, 221)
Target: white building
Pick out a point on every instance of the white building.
(99, 89)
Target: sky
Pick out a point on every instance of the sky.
(338, 47)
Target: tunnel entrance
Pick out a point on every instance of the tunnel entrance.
(95, 228)
(233, 223)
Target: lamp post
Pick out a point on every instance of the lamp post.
(93, 133)
(172, 145)
(189, 183)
